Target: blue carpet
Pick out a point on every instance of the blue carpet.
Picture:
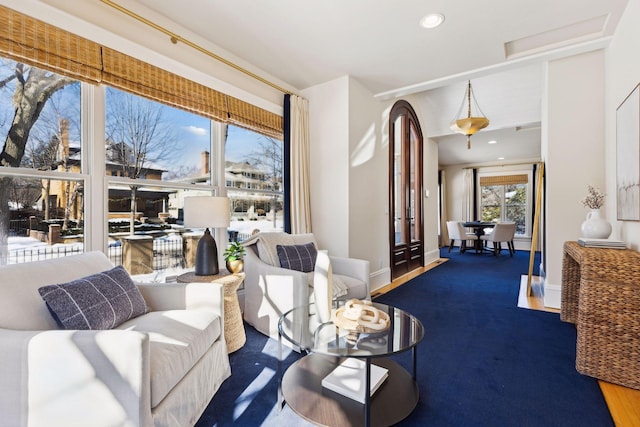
(483, 361)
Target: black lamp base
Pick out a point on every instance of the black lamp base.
(207, 256)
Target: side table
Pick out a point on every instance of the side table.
(601, 295)
(233, 327)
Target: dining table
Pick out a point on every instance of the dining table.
(478, 229)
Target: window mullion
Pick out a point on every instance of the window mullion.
(93, 163)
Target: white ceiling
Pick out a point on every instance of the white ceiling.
(498, 44)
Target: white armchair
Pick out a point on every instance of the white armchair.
(158, 369)
(271, 291)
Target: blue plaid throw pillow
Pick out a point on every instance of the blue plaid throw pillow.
(100, 301)
(297, 257)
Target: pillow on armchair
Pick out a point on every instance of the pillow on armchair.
(303, 258)
(100, 301)
(297, 257)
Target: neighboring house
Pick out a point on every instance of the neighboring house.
(244, 175)
(150, 202)
(239, 175)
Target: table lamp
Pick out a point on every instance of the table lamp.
(205, 212)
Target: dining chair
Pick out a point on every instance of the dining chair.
(457, 232)
(502, 232)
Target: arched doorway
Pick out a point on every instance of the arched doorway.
(406, 222)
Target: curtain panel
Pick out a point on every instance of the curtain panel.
(298, 175)
(468, 200)
(36, 43)
(444, 212)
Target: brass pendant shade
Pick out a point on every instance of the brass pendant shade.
(470, 124)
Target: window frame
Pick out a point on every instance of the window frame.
(529, 196)
(69, 54)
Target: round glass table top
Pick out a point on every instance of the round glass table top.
(405, 331)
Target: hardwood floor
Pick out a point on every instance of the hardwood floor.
(623, 402)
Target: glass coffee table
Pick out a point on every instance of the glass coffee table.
(326, 346)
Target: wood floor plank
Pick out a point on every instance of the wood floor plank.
(623, 403)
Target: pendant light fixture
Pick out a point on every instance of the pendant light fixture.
(473, 122)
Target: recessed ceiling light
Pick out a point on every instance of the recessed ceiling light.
(432, 20)
(493, 141)
(500, 158)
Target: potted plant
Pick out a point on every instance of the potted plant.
(233, 257)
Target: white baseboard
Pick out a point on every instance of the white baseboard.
(431, 256)
(379, 279)
(552, 295)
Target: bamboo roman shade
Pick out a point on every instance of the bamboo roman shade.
(504, 179)
(127, 73)
(36, 43)
(33, 42)
(249, 116)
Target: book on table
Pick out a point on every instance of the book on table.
(601, 243)
(349, 379)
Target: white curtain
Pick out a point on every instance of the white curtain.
(300, 169)
(467, 200)
(444, 212)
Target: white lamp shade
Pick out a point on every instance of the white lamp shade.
(206, 212)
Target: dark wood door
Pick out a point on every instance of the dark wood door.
(406, 220)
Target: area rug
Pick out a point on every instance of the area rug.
(483, 361)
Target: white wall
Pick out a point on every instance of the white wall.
(573, 152)
(454, 176)
(350, 173)
(368, 192)
(622, 75)
(329, 150)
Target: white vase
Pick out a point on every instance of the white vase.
(323, 286)
(595, 227)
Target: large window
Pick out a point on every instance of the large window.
(41, 173)
(154, 156)
(504, 198)
(124, 169)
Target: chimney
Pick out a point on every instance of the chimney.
(205, 163)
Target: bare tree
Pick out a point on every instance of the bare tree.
(48, 147)
(24, 193)
(33, 89)
(138, 137)
(268, 158)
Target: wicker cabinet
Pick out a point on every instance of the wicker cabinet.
(601, 295)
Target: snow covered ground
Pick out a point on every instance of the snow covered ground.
(168, 257)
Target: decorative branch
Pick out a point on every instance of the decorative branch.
(595, 199)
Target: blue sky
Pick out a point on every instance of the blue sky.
(192, 132)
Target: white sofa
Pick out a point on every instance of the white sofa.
(158, 369)
(271, 291)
